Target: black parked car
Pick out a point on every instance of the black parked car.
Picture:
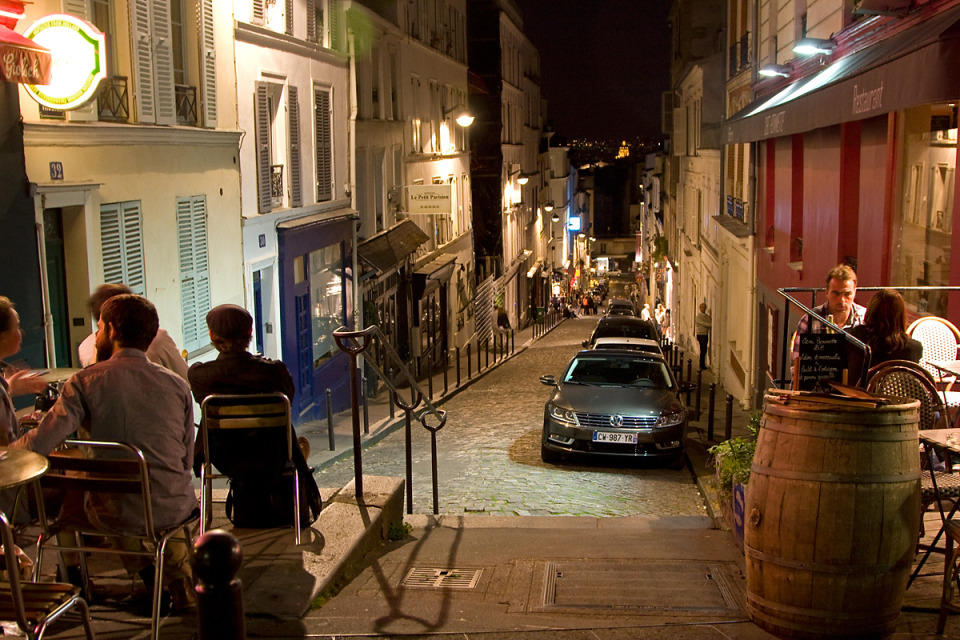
(623, 327)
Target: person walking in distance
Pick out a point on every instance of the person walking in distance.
(702, 325)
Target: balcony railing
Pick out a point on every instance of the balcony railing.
(276, 181)
(112, 102)
(739, 54)
(186, 105)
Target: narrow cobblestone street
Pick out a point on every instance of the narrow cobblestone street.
(489, 452)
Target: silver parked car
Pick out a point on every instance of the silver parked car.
(615, 403)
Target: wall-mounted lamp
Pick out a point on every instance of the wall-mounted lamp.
(463, 117)
(775, 70)
(548, 207)
(813, 46)
(523, 178)
(555, 217)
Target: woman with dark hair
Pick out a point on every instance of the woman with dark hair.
(13, 382)
(884, 331)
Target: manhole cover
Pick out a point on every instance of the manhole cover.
(638, 585)
(435, 578)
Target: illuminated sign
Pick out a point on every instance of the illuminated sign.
(573, 224)
(79, 60)
(429, 198)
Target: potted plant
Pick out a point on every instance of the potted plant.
(732, 460)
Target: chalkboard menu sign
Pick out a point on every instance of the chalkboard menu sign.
(823, 356)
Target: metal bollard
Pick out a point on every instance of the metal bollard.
(446, 368)
(469, 374)
(216, 559)
(486, 351)
(513, 342)
(689, 373)
(710, 406)
(366, 406)
(430, 378)
(458, 367)
(728, 425)
(333, 446)
(699, 387)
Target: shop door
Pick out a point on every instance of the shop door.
(57, 286)
(304, 348)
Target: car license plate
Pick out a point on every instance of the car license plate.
(616, 438)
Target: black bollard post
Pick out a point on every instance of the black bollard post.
(710, 404)
(513, 342)
(366, 405)
(333, 446)
(486, 351)
(216, 559)
(446, 371)
(689, 373)
(469, 364)
(728, 425)
(699, 387)
(458, 367)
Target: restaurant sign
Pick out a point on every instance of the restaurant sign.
(21, 59)
(429, 198)
(79, 60)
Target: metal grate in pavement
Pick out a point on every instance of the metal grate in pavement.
(437, 578)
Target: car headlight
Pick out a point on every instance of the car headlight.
(561, 414)
(671, 419)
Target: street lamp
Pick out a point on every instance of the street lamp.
(813, 46)
(463, 117)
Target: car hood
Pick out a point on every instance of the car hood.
(633, 401)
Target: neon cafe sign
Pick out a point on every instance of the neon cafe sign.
(79, 54)
(573, 223)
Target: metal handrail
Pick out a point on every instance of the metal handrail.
(354, 343)
(813, 291)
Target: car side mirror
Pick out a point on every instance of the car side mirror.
(550, 381)
(585, 344)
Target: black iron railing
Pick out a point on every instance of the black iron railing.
(112, 102)
(186, 105)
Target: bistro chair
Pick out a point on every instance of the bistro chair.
(238, 421)
(951, 569)
(112, 468)
(940, 340)
(33, 605)
(902, 378)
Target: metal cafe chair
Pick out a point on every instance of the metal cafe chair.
(243, 416)
(909, 380)
(33, 605)
(940, 340)
(113, 468)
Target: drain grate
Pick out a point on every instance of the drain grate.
(437, 578)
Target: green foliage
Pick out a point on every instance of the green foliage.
(734, 457)
(660, 248)
(398, 531)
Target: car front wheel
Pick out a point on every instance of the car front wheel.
(549, 455)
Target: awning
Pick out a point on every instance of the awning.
(23, 60)
(535, 268)
(429, 276)
(390, 247)
(916, 66)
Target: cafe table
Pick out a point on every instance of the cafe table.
(951, 399)
(947, 441)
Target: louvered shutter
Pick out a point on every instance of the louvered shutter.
(259, 12)
(194, 269)
(133, 247)
(166, 93)
(143, 61)
(312, 20)
(121, 242)
(333, 8)
(208, 74)
(323, 145)
(293, 115)
(288, 27)
(263, 149)
(77, 8)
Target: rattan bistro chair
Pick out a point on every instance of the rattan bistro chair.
(906, 379)
(33, 605)
(245, 416)
(941, 341)
(112, 468)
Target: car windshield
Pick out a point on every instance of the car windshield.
(618, 372)
(632, 330)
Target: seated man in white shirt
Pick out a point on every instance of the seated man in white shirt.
(162, 350)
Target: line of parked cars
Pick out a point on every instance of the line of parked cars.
(617, 398)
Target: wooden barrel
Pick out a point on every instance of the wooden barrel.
(832, 516)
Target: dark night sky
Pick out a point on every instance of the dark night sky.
(603, 64)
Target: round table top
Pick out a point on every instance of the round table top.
(55, 375)
(19, 466)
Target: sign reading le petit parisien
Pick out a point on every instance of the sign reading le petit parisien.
(428, 198)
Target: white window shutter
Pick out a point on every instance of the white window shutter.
(259, 15)
(143, 64)
(133, 271)
(679, 131)
(166, 93)
(293, 119)
(121, 245)
(312, 20)
(324, 148)
(79, 8)
(194, 269)
(288, 27)
(111, 243)
(333, 8)
(208, 72)
(263, 149)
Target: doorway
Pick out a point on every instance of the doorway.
(57, 285)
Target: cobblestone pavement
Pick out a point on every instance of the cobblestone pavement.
(489, 452)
